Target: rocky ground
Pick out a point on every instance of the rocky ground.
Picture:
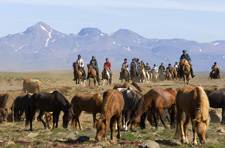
(17, 135)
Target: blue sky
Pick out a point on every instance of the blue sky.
(199, 20)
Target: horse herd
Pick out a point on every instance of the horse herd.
(123, 104)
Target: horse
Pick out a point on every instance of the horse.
(85, 102)
(185, 71)
(48, 116)
(7, 103)
(154, 75)
(106, 75)
(194, 103)
(174, 73)
(2, 114)
(50, 102)
(131, 100)
(162, 75)
(124, 74)
(155, 101)
(217, 100)
(92, 74)
(31, 86)
(112, 107)
(215, 74)
(78, 74)
(133, 72)
(142, 74)
(21, 106)
(168, 75)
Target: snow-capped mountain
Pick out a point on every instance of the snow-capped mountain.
(41, 47)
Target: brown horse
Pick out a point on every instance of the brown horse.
(133, 72)
(194, 103)
(215, 74)
(111, 112)
(124, 74)
(154, 75)
(88, 103)
(48, 116)
(174, 73)
(7, 103)
(31, 86)
(92, 74)
(2, 114)
(168, 75)
(78, 74)
(185, 71)
(143, 75)
(155, 101)
(106, 75)
(133, 86)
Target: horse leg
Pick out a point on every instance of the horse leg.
(94, 119)
(119, 126)
(185, 128)
(194, 130)
(161, 117)
(40, 118)
(77, 118)
(57, 119)
(172, 116)
(156, 121)
(128, 119)
(112, 122)
(32, 112)
(103, 82)
(223, 115)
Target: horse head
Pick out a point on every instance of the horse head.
(201, 129)
(68, 116)
(101, 128)
(89, 66)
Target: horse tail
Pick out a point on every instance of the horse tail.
(136, 86)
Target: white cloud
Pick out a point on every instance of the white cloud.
(191, 5)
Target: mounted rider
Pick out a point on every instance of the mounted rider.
(138, 66)
(170, 68)
(94, 64)
(162, 68)
(147, 68)
(155, 68)
(108, 64)
(81, 66)
(188, 58)
(214, 67)
(125, 64)
(176, 65)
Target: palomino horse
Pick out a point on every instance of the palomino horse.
(92, 74)
(124, 74)
(111, 112)
(168, 75)
(215, 74)
(7, 103)
(155, 101)
(143, 74)
(21, 106)
(50, 102)
(133, 72)
(217, 100)
(106, 76)
(185, 71)
(78, 74)
(162, 75)
(31, 86)
(174, 73)
(195, 104)
(85, 102)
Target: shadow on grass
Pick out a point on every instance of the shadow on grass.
(81, 139)
(166, 142)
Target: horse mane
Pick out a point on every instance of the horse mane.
(219, 68)
(136, 86)
(184, 62)
(62, 96)
(107, 99)
(203, 104)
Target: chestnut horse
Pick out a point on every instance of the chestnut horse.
(155, 101)
(106, 75)
(195, 104)
(124, 74)
(92, 74)
(217, 100)
(85, 102)
(168, 75)
(31, 86)
(111, 112)
(78, 74)
(215, 74)
(185, 71)
(174, 73)
(7, 103)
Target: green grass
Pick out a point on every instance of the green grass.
(129, 136)
(57, 130)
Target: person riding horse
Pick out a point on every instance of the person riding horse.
(188, 58)
(94, 64)
(155, 68)
(125, 64)
(81, 66)
(214, 67)
(138, 66)
(162, 68)
(147, 68)
(107, 63)
(170, 68)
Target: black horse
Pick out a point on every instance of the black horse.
(21, 106)
(217, 100)
(50, 102)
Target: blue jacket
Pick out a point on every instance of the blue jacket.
(187, 57)
(135, 64)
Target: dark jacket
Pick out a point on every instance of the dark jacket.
(187, 57)
(94, 64)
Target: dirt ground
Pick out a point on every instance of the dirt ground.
(17, 135)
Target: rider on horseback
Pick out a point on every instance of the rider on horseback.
(155, 68)
(94, 64)
(107, 63)
(161, 67)
(138, 66)
(125, 64)
(170, 68)
(214, 67)
(147, 67)
(188, 58)
(81, 65)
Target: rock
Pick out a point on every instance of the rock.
(32, 135)
(82, 139)
(148, 144)
(221, 130)
(215, 115)
(71, 135)
(61, 134)
(104, 143)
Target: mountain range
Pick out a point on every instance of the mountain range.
(41, 48)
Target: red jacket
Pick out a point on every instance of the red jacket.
(108, 64)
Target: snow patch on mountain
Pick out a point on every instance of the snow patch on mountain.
(216, 44)
(49, 37)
